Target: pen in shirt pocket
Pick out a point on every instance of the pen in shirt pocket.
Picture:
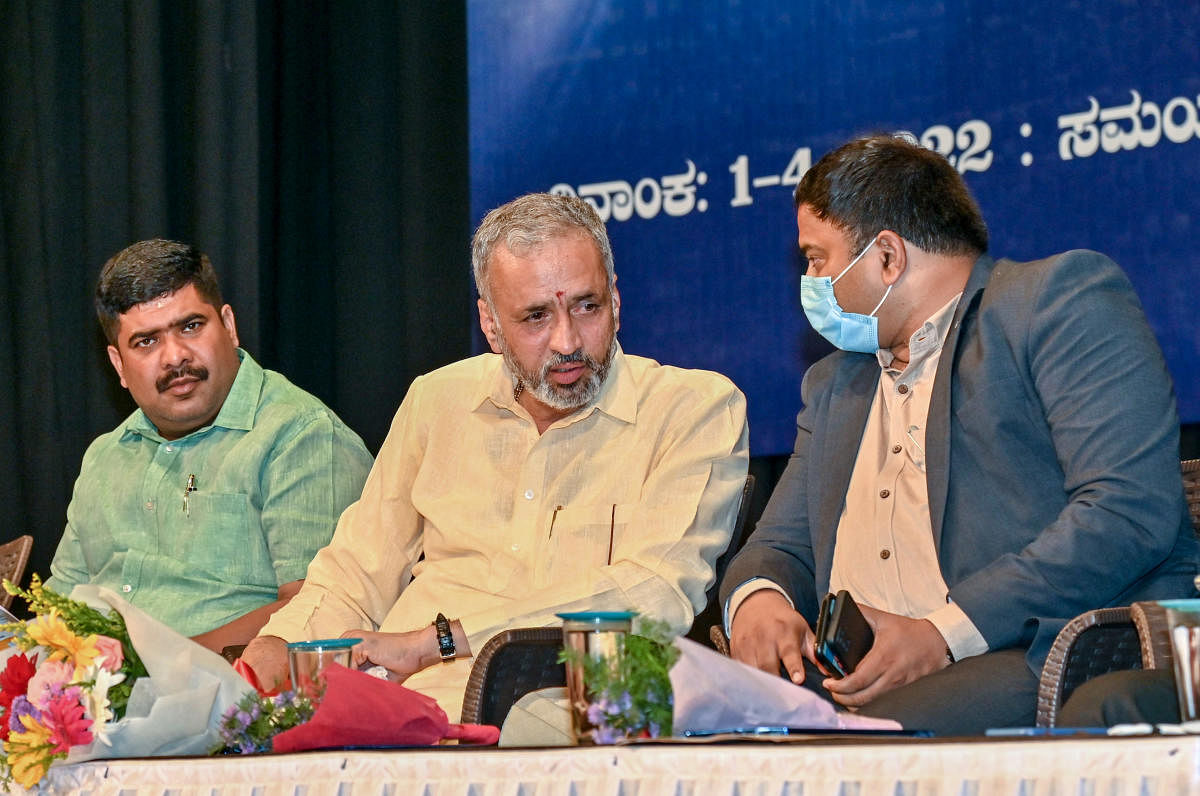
(188, 489)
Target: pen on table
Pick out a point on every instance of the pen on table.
(1001, 732)
(188, 489)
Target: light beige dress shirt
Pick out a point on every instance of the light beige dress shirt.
(884, 553)
(625, 504)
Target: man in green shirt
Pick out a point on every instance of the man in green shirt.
(205, 506)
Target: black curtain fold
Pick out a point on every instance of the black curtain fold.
(316, 151)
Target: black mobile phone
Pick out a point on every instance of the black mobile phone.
(843, 636)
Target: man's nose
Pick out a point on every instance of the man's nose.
(175, 351)
(565, 337)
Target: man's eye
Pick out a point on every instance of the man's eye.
(192, 326)
(589, 306)
(143, 342)
(535, 317)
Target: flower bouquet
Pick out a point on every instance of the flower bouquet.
(630, 691)
(93, 676)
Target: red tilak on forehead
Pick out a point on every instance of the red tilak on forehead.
(559, 294)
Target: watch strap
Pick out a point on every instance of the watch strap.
(445, 638)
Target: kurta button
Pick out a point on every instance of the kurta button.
(149, 505)
(127, 588)
(168, 448)
(884, 493)
(896, 449)
(529, 494)
(885, 554)
(516, 547)
(902, 389)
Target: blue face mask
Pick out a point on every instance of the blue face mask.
(849, 331)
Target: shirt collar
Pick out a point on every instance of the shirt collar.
(617, 398)
(236, 413)
(927, 339)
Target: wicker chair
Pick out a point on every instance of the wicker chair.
(511, 664)
(14, 556)
(1111, 639)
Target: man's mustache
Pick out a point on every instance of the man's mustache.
(195, 371)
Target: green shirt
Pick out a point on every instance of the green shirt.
(271, 475)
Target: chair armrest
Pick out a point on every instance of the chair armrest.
(716, 635)
(1094, 643)
(1150, 619)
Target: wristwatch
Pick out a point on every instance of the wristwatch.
(445, 638)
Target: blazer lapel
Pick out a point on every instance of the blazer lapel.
(937, 433)
(849, 402)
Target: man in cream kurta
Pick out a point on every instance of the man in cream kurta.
(522, 504)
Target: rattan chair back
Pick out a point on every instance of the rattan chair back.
(14, 556)
(510, 665)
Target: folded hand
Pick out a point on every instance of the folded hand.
(402, 654)
(904, 650)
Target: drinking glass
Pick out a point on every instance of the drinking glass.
(596, 635)
(308, 659)
(1183, 623)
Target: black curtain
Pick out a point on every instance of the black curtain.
(317, 151)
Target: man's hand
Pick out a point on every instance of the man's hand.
(904, 650)
(404, 654)
(766, 631)
(268, 657)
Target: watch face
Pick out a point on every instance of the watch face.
(445, 638)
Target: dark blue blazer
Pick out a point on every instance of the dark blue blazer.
(1052, 458)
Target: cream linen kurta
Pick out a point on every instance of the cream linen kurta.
(515, 526)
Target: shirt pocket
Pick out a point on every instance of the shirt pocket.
(223, 540)
(585, 537)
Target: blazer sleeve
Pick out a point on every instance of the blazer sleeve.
(1102, 397)
(781, 548)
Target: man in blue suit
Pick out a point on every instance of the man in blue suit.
(993, 450)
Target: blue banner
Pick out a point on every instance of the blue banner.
(686, 122)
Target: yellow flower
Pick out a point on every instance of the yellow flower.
(29, 753)
(51, 632)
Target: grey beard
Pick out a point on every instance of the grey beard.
(564, 398)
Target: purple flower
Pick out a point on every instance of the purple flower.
(605, 735)
(244, 718)
(625, 702)
(597, 712)
(655, 730)
(21, 706)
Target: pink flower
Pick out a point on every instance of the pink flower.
(111, 653)
(50, 679)
(63, 716)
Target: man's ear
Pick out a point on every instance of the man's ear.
(895, 255)
(230, 324)
(487, 323)
(616, 294)
(114, 356)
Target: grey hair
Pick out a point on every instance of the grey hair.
(529, 221)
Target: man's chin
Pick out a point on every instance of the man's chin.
(571, 397)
